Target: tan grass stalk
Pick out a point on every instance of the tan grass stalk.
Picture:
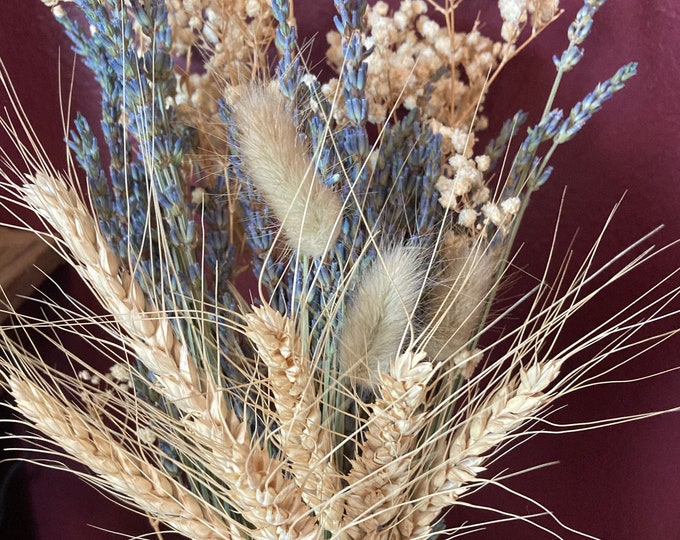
(151, 333)
(280, 168)
(269, 500)
(118, 469)
(302, 438)
(380, 314)
(504, 411)
(379, 478)
(457, 300)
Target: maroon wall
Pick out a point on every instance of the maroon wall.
(621, 482)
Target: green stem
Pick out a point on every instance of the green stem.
(553, 93)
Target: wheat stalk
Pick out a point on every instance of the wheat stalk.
(268, 500)
(484, 428)
(119, 470)
(380, 474)
(301, 435)
(150, 332)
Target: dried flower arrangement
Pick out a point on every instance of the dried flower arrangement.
(360, 396)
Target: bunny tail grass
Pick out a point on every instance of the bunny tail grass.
(456, 301)
(380, 314)
(281, 170)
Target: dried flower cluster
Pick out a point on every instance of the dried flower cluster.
(416, 64)
(356, 397)
(228, 40)
(419, 64)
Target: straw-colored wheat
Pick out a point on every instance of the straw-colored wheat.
(266, 497)
(486, 427)
(380, 476)
(303, 439)
(90, 443)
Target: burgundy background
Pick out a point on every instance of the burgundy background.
(621, 482)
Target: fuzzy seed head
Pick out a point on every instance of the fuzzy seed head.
(281, 169)
(456, 302)
(380, 314)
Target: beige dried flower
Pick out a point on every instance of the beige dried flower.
(379, 318)
(410, 48)
(281, 169)
(542, 12)
(514, 15)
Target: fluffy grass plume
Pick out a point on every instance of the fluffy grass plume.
(379, 320)
(284, 173)
(457, 299)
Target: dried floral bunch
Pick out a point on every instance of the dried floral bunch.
(357, 398)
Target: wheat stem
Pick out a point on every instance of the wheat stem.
(121, 471)
(380, 474)
(304, 441)
(269, 500)
(503, 412)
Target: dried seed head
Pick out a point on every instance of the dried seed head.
(281, 169)
(456, 302)
(380, 314)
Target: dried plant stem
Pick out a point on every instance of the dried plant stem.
(491, 424)
(304, 441)
(378, 479)
(150, 332)
(118, 469)
(270, 501)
